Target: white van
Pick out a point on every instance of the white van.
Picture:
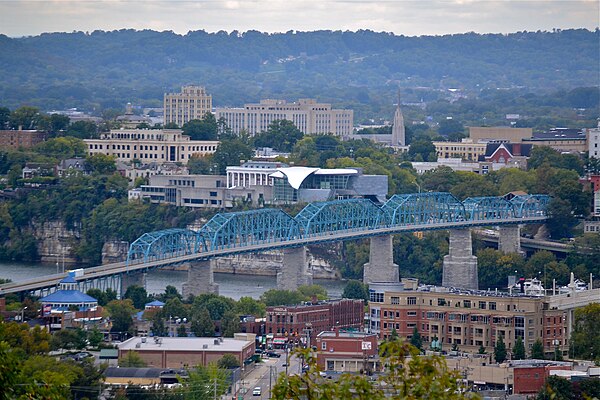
(256, 391)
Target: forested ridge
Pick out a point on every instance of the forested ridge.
(100, 69)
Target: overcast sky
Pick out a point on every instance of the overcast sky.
(426, 17)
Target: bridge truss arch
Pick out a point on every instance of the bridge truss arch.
(163, 244)
(488, 208)
(424, 208)
(339, 215)
(245, 228)
(530, 205)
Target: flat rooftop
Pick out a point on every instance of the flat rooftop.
(189, 344)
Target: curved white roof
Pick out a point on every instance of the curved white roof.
(297, 175)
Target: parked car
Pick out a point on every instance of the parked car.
(82, 356)
(273, 354)
(256, 391)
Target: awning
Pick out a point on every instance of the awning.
(279, 341)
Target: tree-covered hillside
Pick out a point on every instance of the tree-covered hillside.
(100, 70)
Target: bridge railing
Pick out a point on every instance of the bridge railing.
(268, 225)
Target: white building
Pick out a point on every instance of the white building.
(192, 103)
(148, 145)
(593, 140)
(252, 173)
(307, 115)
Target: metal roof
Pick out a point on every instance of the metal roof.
(68, 296)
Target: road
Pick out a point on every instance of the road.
(261, 376)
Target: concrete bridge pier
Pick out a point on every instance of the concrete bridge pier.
(200, 278)
(294, 269)
(509, 239)
(460, 265)
(381, 267)
(137, 278)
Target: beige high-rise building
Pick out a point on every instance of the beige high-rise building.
(307, 115)
(192, 103)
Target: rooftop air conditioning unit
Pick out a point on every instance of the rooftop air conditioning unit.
(205, 346)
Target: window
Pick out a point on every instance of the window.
(467, 303)
(411, 313)
(441, 302)
(492, 305)
(395, 300)
(482, 305)
(376, 297)
(411, 300)
(323, 345)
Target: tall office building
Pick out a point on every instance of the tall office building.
(307, 115)
(192, 103)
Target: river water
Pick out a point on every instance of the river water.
(234, 286)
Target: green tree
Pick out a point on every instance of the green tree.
(95, 337)
(200, 165)
(204, 383)
(230, 324)
(101, 164)
(537, 350)
(356, 290)
(408, 376)
(519, 350)
(158, 327)
(138, 296)
(4, 117)
(275, 297)
(481, 350)
(121, 315)
(202, 324)
(201, 129)
(584, 339)
(312, 291)
(423, 149)
(248, 306)
(62, 148)
(175, 308)
(182, 331)
(556, 388)
(230, 152)
(281, 135)
(132, 360)
(500, 350)
(83, 130)
(452, 128)
(228, 361)
(25, 117)
(415, 339)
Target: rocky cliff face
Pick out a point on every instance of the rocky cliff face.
(270, 263)
(114, 251)
(55, 241)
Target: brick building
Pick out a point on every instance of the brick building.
(13, 139)
(341, 351)
(313, 318)
(179, 352)
(470, 318)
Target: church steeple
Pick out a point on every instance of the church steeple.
(398, 131)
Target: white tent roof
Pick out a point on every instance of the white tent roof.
(297, 175)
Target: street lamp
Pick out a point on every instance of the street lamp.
(23, 314)
(418, 186)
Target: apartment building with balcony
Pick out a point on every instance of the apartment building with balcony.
(470, 319)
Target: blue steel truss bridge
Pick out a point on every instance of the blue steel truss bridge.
(271, 229)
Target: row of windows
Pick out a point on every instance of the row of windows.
(202, 201)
